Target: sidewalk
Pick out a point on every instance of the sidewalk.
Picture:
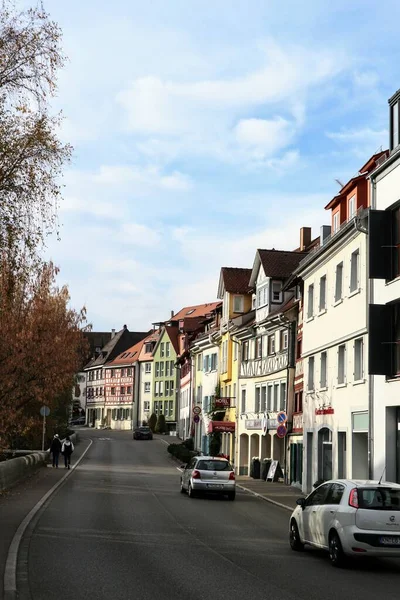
(279, 494)
(19, 501)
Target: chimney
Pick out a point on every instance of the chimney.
(172, 314)
(325, 233)
(112, 333)
(124, 327)
(305, 238)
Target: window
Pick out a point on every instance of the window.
(224, 365)
(336, 222)
(167, 388)
(171, 388)
(284, 335)
(238, 304)
(243, 402)
(310, 307)
(235, 350)
(283, 396)
(157, 369)
(339, 282)
(396, 242)
(147, 387)
(311, 364)
(147, 367)
(97, 391)
(129, 372)
(341, 364)
(113, 391)
(263, 398)
(262, 296)
(396, 336)
(161, 388)
(276, 397)
(258, 347)
(271, 344)
(156, 388)
(214, 358)
(162, 351)
(318, 497)
(123, 390)
(167, 349)
(166, 411)
(171, 408)
(276, 291)
(129, 389)
(167, 369)
(323, 374)
(354, 275)
(269, 398)
(258, 400)
(156, 407)
(171, 367)
(299, 348)
(199, 362)
(234, 392)
(245, 351)
(161, 369)
(358, 360)
(146, 406)
(298, 402)
(352, 207)
(123, 372)
(322, 293)
(394, 123)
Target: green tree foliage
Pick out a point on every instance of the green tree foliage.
(153, 421)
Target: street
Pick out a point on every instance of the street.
(119, 528)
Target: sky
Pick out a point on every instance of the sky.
(203, 131)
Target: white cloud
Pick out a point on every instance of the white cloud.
(97, 208)
(363, 135)
(264, 136)
(150, 176)
(140, 235)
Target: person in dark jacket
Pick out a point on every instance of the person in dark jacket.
(67, 449)
(55, 449)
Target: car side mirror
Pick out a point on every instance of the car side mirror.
(301, 502)
(183, 466)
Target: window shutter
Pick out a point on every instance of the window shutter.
(380, 338)
(379, 242)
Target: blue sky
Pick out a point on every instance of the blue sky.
(203, 131)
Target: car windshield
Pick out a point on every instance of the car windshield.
(379, 498)
(213, 465)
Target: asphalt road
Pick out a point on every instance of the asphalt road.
(119, 529)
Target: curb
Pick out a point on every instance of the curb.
(265, 498)
(10, 571)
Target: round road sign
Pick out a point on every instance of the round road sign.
(281, 431)
(44, 411)
(196, 418)
(281, 417)
(196, 410)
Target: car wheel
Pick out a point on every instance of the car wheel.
(183, 491)
(231, 496)
(295, 541)
(191, 492)
(336, 553)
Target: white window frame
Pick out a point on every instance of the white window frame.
(147, 367)
(310, 301)
(276, 289)
(311, 374)
(322, 293)
(341, 351)
(355, 271)
(336, 222)
(339, 282)
(167, 349)
(359, 360)
(146, 406)
(352, 207)
(162, 351)
(323, 372)
(238, 304)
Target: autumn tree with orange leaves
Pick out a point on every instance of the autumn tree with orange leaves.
(41, 339)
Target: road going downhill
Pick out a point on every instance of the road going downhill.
(119, 529)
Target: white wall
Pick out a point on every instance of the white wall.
(145, 396)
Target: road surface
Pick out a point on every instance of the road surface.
(119, 529)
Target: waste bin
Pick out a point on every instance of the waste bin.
(255, 468)
(266, 463)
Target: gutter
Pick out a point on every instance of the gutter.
(371, 379)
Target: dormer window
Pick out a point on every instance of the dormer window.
(352, 207)
(262, 296)
(276, 291)
(394, 125)
(336, 222)
(238, 304)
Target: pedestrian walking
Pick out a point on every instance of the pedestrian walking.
(67, 449)
(55, 449)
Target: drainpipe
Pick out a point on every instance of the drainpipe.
(237, 400)
(284, 321)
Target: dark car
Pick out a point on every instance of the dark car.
(143, 433)
(78, 421)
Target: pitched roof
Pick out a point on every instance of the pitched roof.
(235, 280)
(280, 263)
(129, 356)
(173, 334)
(199, 310)
(122, 340)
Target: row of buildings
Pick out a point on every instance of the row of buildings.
(298, 361)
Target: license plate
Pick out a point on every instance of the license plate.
(214, 486)
(390, 541)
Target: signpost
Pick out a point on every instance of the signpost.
(44, 411)
(197, 410)
(196, 418)
(281, 417)
(275, 471)
(281, 431)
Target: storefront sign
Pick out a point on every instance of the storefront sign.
(324, 411)
(258, 368)
(272, 423)
(221, 427)
(253, 424)
(222, 402)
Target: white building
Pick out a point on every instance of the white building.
(144, 378)
(384, 326)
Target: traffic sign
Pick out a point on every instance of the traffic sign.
(44, 411)
(281, 431)
(281, 417)
(196, 418)
(196, 410)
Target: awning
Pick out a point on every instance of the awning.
(221, 427)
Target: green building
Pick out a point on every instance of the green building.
(165, 384)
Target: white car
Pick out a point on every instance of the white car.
(349, 518)
(208, 474)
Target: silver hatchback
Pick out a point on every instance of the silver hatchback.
(208, 474)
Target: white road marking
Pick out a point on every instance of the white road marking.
(10, 572)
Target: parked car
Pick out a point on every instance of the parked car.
(349, 518)
(208, 474)
(143, 433)
(78, 421)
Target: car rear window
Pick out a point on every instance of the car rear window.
(379, 498)
(214, 465)
(144, 429)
